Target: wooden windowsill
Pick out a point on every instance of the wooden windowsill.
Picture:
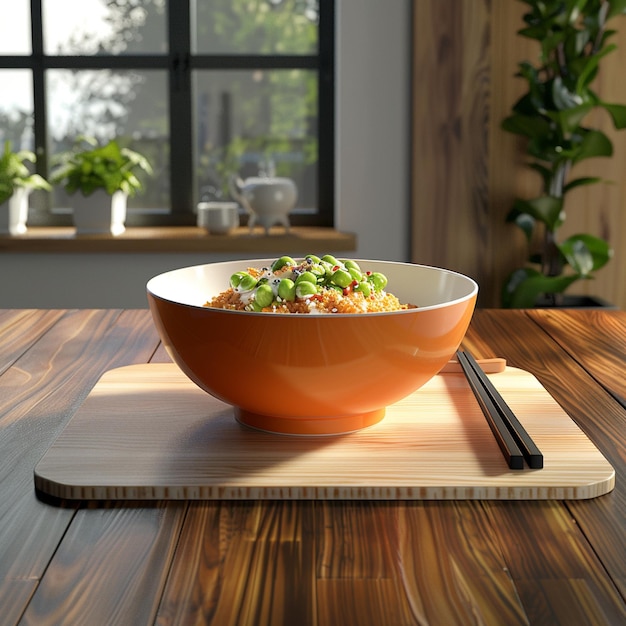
(300, 240)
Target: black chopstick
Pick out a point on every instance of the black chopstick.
(510, 449)
(515, 443)
(531, 452)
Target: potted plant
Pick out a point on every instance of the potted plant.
(16, 183)
(100, 178)
(551, 116)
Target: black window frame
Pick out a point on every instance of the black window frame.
(180, 62)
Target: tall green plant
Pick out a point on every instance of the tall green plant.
(573, 38)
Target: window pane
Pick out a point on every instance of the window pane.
(88, 27)
(130, 106)
(250, 123)
(255, 26)
(16, 109)
(15, 28)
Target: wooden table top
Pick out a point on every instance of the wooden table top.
(306, 562)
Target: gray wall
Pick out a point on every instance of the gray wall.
(372, 191)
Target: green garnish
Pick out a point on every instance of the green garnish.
(288, 279)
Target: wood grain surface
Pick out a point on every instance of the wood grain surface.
(527, 338)
(576, 333)
(39, 393)
(219, 562)
(148, 432)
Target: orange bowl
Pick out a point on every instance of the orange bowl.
(311, 374)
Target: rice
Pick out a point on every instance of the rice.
(330, 301)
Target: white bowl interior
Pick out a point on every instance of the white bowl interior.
(421, 285)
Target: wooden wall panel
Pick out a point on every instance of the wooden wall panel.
(450, 130)
(466, 171)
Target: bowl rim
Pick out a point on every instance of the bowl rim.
(254, 263)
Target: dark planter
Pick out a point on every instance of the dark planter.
(573, 302)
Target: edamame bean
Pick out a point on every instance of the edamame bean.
(355, 273)
(287, 289)
(235, 279)
(304, 278)
(342, 278)
(284, 260)
(309, 277)
(247, 282)
(328, 268)
(378, 280)
(351, 265)
(364, 288)
(264, 296)
(305, 288)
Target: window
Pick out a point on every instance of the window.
(207, 89)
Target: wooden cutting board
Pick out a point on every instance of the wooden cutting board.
(146, 432)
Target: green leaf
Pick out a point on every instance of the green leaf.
(594, 144)
(586, 253)
(579, 182)
(527, 125)
(551, 41)
(606, 35)
(524, 221)
(586, 75)
(617, 7)
(513, 285)
(546, 209)
(525, 285)
(533, 32)
(578, 256)
(617, 113)
(570, 119)
(562, 96)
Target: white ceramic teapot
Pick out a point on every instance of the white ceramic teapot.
(267, 200)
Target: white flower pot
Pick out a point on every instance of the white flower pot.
(99, 213)
(14, 213)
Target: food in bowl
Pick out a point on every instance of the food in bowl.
(311, 374)
(312, 285)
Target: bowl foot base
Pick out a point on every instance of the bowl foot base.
(309, 426)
